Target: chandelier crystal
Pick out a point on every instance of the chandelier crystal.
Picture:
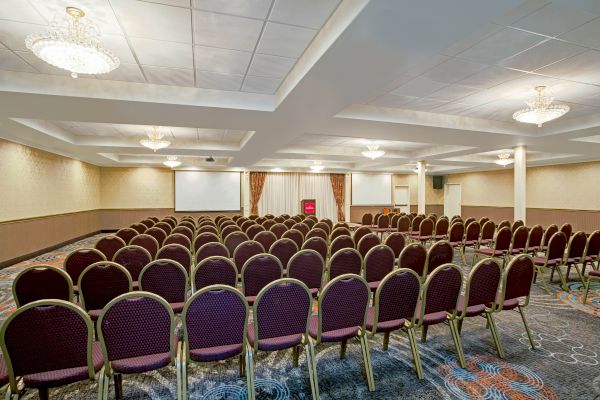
(504, 159)
(317, 166)
(172, 162)
(154, 140)
(540, 109)
(73, 44)
(373, 152)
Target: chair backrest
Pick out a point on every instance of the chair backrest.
(503, 238)
(147, 222)
(259, 271)
(413, 257)
(207, 228)
(234, 239)
(307, 266)
(136, 324)
(178, 238)
(394, 221)
(337, 232)
(345, 261)
(140, 228)
(158, 234)
(302, 227)
(592, 248)
(134, 259)
(247, 224)
(396, 242)
(266, 238)
(456, 232)
(517, 279)
(341, 242)
(473, 231)
(324, 226)
(426, 227)
(379, 261)
(214, 270)
(101, 282)
(184, 230)
(441, 227)
(397, 296)
(376, 218)
(244, 251)
(279, 219)
(366, 243)
(556, 247)
(166, 278)
(383, 221)
(229, 229)
(289, 223)
(294, 235)
(172, 221)
(109, 245)
(126, 234)
(487, 230)
(254, 230)
(515, 225)
(441, 290)
(164, 226)
(468, 221)
(318, 244)
(483, 220)
(188, 224)
(278, 229)
(78, 260)
(367, 219)
(317, 232)
(44, 336)
(482, 284)
(439, 253)
(147, 242)
(504, 224)
(343, 304)
(404, 224)
(211, 249)
(416, 223)
(268, 224)
(283, 249)
(340, 224)
(203, 238)
(567, 229)
(519, 238)
(328, 222)
(534, 238)
(176, 252)
(548, 233)
(41, 282)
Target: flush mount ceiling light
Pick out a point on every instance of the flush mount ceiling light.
(154, 140)
(504, 159)
(373, 152)
(73, 44)
(172, 162)
(540, 109)
(317, 166)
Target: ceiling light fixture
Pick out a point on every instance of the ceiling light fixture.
(540, 109)
(417, 169)
(373, 152)
(73, 44)
(317, 166)
(504, 159)
(154, 140)
(172, 162)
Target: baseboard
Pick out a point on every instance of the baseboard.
(16, 260)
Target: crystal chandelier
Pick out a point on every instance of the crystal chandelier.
(172, 162)
(504, 159)
(73, 44)
(154, 140)
(540, 109)
(373, 152)
(317, 166)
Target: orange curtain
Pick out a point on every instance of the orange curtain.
(338, 183)
(257, 182)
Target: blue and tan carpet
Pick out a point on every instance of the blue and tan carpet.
(565, 365)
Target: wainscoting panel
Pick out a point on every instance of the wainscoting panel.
(119, 218)
(496, 214)
(582, 220)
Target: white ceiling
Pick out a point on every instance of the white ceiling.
(265, 84)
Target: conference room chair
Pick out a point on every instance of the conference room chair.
(298, 218)
(214, 324)
(534, 239)
(158, 234)
(227, 223)
(167, 279)
(178, 238)
(592, 251)
(468, 221)
(186, 225)
(367, 219)
(575, 251)
(518, 242)
(439, 253)
(456, 235)
(289, 223)
(78, 260)
(247, 224)
(209, 225)
(383, 223)
(567, 229)
(317, 232)
(480, 295)
(236, 217)
(505, 224)
(483, 220)
(137, 335)
(345, 261)
(109, 245)
(177, 252)
(342, 316)
(404, 225)
(244, 251)
(317, 244)
(500, 248)
(42, 354)
(41, 282)
(472, 234)
(172, 221)
(438, 304)
(240, 221)
(593, 275)
(258, 272)
(233, 240)
(488, 230)
(204, 238)
(552, 260)
(309, 222)
(433, 217)
(281, 316)
(100, 283)
(340, 224)
(376, 218)
(366, 243)
(302, 227)
(164, 226)
(313, 218)
(228, 230)
(308, 267)
(254, 230)
(253, 217)
(548, 233)
(341, 231)
(139, 227)
(378, 262)
(283, 249)
(394, 221)
(278, 229)
(414, 257)
(215, 270)
(211, 249)
(396, 241)
(279, 219)
(186, 218)
(126, 234)
(394, 309)
(328, 222)
(441, 229)
(516, 225)
(324, 227)
(268, 224)
(294, 235)
(260, 220)
(415, 224)
(266, 238)
(153, 218)
(133, 258)
(151, 245)
(341, 242)
(425, 232)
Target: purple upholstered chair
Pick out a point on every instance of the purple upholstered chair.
(278, 229)
(177, 252)
(49, 343)
(359, 233)
(415, 224)
(229, 229)
(307, 266)
(472, 234)
(379, 262)
(147, 242)
(302, 227)
(309, 222)
(317, 244)
(168, 279)
(100, 283)
(553, 260)
(254, 230)
(501, 245)
(148, 222)
(140, 228)
(592, 251)
(345, 261)
(456, 234)
(214, 327)
(396, 241)
(441, 229)
(518, 242)
(247, 224)
(172, 221)
(367, 219)
(505, 224)
(323, 226)
(215, 270)
(342, 315)
(317, 232)
(295, 235)
(439, 304)
(394, 221)
(134, 259)
(414, 257)
(567, 229)
(211, 249)
(279, 219)
(341, 242)
(137, 334)
(403, 224)
(366, 243)
(41, 282)
(126, 234)
(394, 308)
(109, 245)
(548, 233)
(164, 226)
(258, 272)
(233, 240)
(480, 296)
(78, 260)
(438, 254)
(244, 251)
(158, 234)
(267, 224)
(337, 232)
(209, 228)
(488, 229)
(425, 232)
(283, 249)
(534, 239)
(178, 238)
(203, 238)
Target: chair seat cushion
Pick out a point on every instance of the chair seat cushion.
(439, 237)
(250, 299)
(489, 252)
(94, 314)
(509, 304)
(336, 335)
(374, 285)
(542, 261)
(420, 237)
(216, 353)
(314, 291)
(517, 251)
(177, 307)
(62, 377)
(471, 242)
(594, 272)
(276, 343)
(486, 241)
(383, 326)
(431, 318)
(472, 311)
(456, 244)
(137, 365)
(135, 285)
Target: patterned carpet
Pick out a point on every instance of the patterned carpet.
(565, 365)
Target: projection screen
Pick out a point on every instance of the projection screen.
(197, 191)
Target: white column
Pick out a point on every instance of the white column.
(347, 199)
(520, 184)
(246, 193)
(421, 167)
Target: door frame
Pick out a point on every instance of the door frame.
(407, 205)
(446, 188)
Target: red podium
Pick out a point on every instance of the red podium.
(308, 206)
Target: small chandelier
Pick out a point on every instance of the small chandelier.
(373, 152)
(154, 140)
(317, 166)
(172, 162)
(73, 44)
(504, 159)
(540, 109)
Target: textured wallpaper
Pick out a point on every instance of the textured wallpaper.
(136, 188)
(35, 183)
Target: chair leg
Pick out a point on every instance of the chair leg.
(250, 375)
(489, 316)
(118, 379)
(586, 285)
(364, 345)
(424, 333)
(462, 254)
(415, 351)
(295, 355)
(457, 343)
(43, 393)
(529, 335)
(544, 284)
(343, 349)
(312, 369)
(242, 362)
(562, 278)
(459, 324)
(386, 340)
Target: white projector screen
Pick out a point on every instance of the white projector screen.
(371, 189)
(207, 191)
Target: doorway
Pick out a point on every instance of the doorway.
(452, 199)
(402, 198)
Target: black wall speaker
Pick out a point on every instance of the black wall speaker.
(438, 182)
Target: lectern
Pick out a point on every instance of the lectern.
(308, 206)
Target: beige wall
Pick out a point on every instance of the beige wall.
(136, 188)
(432, 196)
(491, 188)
